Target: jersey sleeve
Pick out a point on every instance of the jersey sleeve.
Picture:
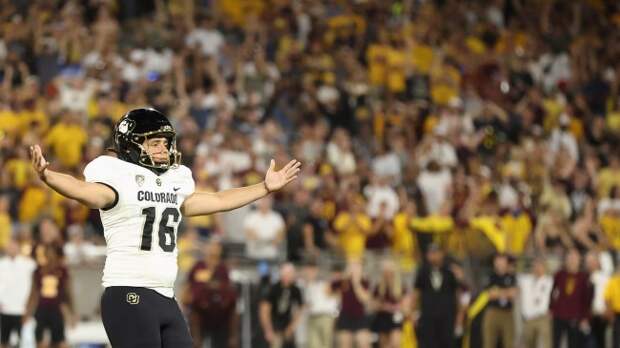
(189, 180)
(103, 170)
(100, 170)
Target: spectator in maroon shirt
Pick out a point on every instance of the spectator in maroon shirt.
(352, 322)
(379, 238)
(212, 298)
(50, 298)
(570, 304)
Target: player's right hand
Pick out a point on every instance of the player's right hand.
(38, 161)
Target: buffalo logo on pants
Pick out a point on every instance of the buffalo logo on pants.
(133, 298)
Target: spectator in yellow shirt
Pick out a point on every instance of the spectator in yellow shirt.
(429, 228)
(609, 217)
(352, 226)
(404, 242)
(421, 57)
(612, 302)
(66, 139)
(377, 56)
(396, 67)
(33, 202)
(517, 226)
(445, 83)
(19, 169)
(609, 176)
(6, 230)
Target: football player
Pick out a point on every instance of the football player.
(141, 194)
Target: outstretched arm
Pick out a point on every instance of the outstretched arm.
(203, 203)
(93, 195)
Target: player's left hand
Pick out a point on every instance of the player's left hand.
(275, 180)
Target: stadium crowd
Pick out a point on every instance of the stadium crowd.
(460, 162)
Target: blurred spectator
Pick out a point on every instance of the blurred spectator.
(79, 251)
(430, 228)
(340, 154)
(264, 229)
(6, 227)
(24, 240)
(562, 138)
(206, 37)
(352, 227)
(517, 225)
(232, 222)
(212, 300)
(280, 310)
(435, 296)
(381, 198)
(599, 278)
(190, 249)
(50, 300)
(388, 297)
(322, 308)
(352, 325)
(571, 302)
(535, 292)
(317, 235)
(404, 242)
(435, 183)
(609, 219)
(67, 139)
(498, 323)
(15, 282)
(48, 237)
(612, 306)
(609, 176)
(387, 164)
(380, 235)
(296, 214)
(552, 232)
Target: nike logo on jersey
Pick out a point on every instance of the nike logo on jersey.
(176, 189)
(159, 197)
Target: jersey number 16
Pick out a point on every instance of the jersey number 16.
(164, 229)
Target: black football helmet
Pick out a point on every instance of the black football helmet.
(134, 128)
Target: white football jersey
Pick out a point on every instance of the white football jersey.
(141, 228)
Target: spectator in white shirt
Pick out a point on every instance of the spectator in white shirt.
(340, 154)
(15, 282)
(435, 183)
(561, 137)
(206, 37)
(387, 163)
(379, 192)
(599, 276)
(264, 229)
(322, 308)
(78, 250)
(610, 205)
(535, 291)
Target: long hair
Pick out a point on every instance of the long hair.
(393, 288)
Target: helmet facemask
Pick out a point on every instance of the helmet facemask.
(146, 160)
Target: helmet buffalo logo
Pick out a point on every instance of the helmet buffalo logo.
(123, 127)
